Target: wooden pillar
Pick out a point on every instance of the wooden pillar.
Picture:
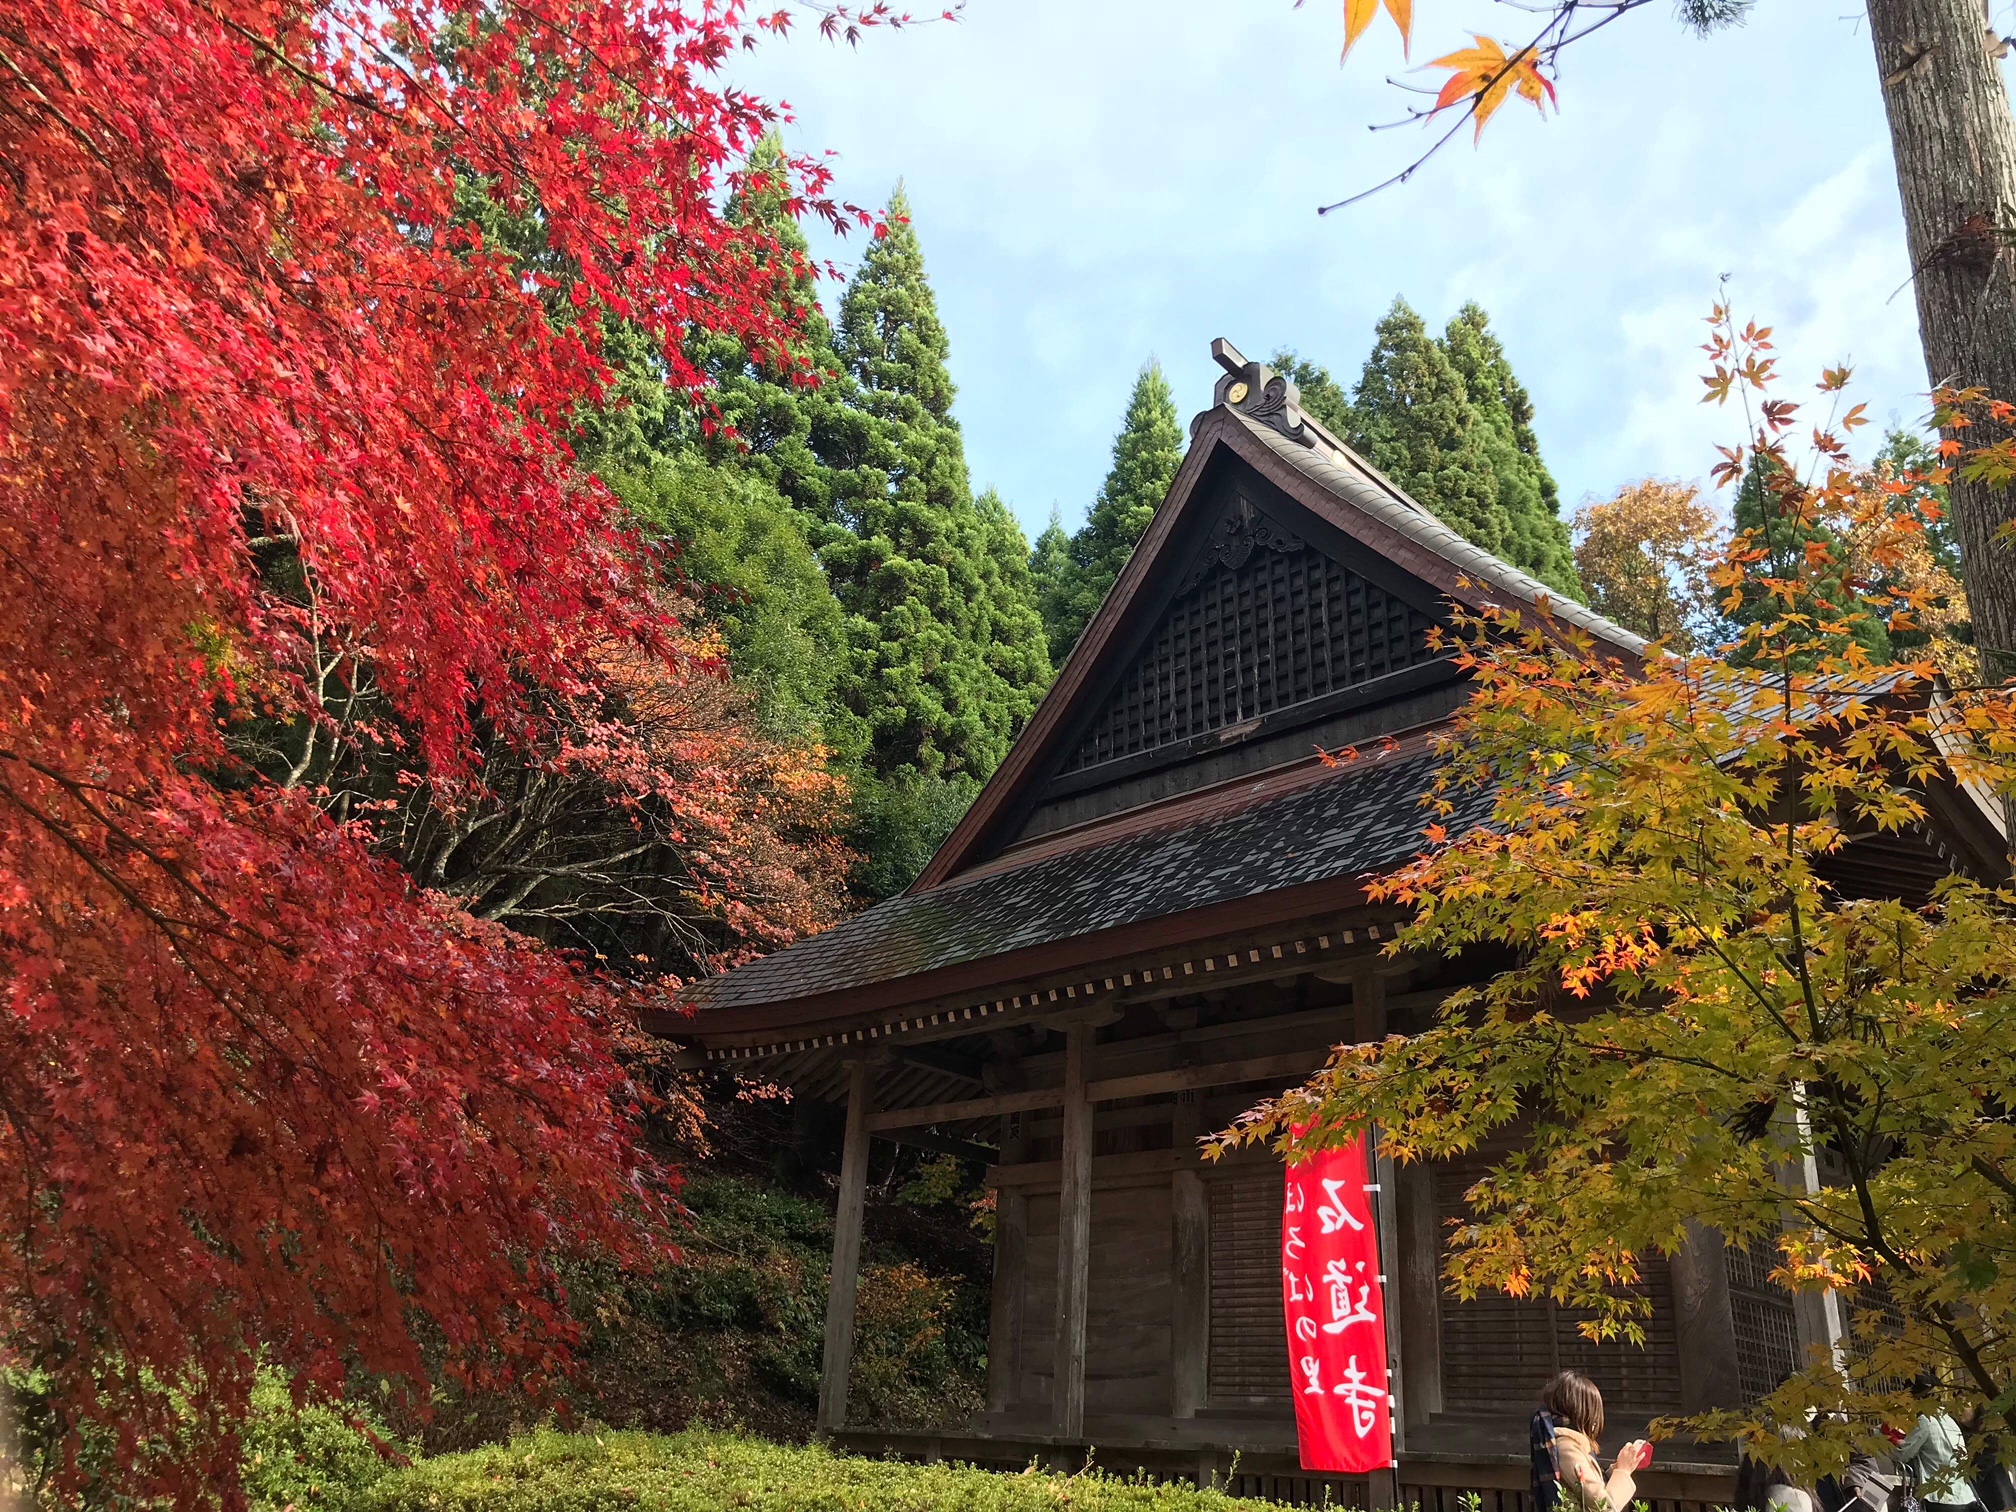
(1011, 1259)
(1417, 1292)
(1190, 1262)
(1074, 1240)
(839, 1354)
(1705, 1323)
(1816, 1316)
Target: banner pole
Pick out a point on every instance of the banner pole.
(1386, 1211)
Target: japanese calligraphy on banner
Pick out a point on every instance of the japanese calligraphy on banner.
(1336, 1307)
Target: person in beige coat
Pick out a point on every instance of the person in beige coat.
(1575, 1405)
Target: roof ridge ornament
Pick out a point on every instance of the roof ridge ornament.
(1259, 393)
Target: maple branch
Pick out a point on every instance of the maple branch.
(1540, 50)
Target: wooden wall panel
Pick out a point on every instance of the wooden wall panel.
(1039, 1306)
(1127, 1351)
(1127, 1333)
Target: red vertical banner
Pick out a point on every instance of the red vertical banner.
(1335, 1299)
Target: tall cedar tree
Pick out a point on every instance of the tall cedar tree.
(781, 407)
(1470, 457)
(263, 1095)
(1322, 395)
(1526, 490)
(1146, 454)
(1050, 576)
(910, 556)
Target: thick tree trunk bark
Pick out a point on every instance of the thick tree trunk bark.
(1954, 140)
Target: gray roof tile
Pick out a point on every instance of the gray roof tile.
(1363, 819)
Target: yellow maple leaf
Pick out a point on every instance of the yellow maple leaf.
(1358, 14)
(1485, 74)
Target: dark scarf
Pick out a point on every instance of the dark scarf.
(1546, 1484)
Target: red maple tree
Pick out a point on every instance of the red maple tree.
(257, 1091)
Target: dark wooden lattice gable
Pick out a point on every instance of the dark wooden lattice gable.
(1261, 622)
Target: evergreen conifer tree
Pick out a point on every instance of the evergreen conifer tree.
(1050, 578)
(1013, 635)
(1146, 453)
(1471, 459)
(913, 561)
(782, 407)
(1414, 422)
(1527, 494)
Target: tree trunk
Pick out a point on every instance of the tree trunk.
(1954, 140)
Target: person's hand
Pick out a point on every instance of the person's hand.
(1635, 1456)
(1895, 1435)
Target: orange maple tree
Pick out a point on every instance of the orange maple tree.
(258, 1092)
(1724, 1009)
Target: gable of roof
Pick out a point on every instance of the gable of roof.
(1259, 476)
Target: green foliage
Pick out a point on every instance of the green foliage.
(731, 1329)
(1050, 575)
(1146, 453)
(1012, 631)
(785, 408)
(743, 549)
(313, 1456)
(1527, 493)
(703, 1472)
(1414, 422)
(899, 823)
(1446, 420)
(1705, 16)
(1322, 395)
(944, 663)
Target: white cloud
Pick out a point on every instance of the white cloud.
(1096, 182)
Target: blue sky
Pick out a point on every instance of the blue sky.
(1096, 181)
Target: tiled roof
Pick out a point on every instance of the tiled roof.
(1344, 473)
(1363, 819)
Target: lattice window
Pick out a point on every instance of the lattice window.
(1282, 624)
(1767, 1335)
(1249, 1329)
(1498, 1352)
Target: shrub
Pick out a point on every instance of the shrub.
(316, 1456)
(704, 1472)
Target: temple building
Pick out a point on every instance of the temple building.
(1155, 915)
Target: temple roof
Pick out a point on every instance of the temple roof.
(1279, 557)
(1340, 823)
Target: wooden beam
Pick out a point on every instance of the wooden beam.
(1294, 1064)
(943, 1144)
(966, 1111)
(1074, 1240)
(839, 1353)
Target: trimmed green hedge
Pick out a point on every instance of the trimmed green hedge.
(711, 1472)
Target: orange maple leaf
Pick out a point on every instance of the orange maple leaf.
(1485, 74)
(1358, 15)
